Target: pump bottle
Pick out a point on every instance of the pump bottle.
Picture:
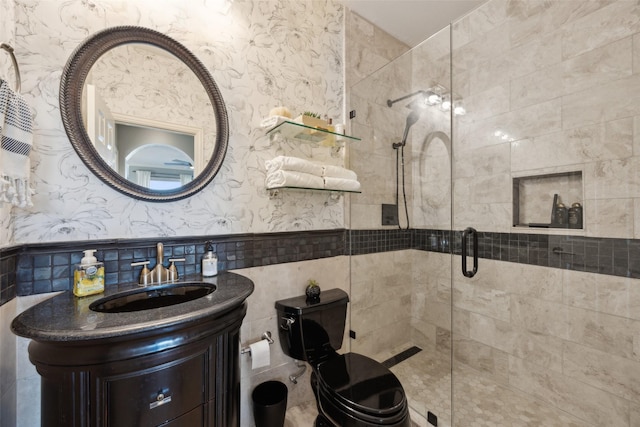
(88, 278)
(209, 262)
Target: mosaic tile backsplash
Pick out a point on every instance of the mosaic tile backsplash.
(42, 268)
(49, 267)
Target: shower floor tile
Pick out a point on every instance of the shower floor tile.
(479, 401)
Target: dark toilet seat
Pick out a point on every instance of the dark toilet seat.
(356, 390)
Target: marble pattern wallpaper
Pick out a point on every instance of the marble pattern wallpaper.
(8, 385)
(261, 54)
(7, 73)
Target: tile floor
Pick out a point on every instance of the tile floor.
(480, 402)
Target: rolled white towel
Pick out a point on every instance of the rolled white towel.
(288, 163)
(338, 172)
(282, 178)
(331, 183)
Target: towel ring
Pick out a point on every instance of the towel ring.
(9, 49)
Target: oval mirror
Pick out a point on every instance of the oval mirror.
(144, 114)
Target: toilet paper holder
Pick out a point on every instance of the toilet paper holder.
(265, 336)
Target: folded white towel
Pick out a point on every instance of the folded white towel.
(331, 183)
(293, 164)
(271, 122)
(338, 172)
(16, 137)
(282, 178)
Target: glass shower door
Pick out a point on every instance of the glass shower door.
(400, 310)
(545, 165)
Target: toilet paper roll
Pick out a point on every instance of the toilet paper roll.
(260, 355)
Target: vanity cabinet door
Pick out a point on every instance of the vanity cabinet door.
(153, 396)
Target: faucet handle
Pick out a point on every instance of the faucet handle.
(173, 271)
(144, 274)
(137, 263)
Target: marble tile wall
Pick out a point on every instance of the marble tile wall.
(557, 78)
(544, 73)
(368, 51)
(368, 48)
(395, 277)
(566, 338)
(561, 95)
(381, 286)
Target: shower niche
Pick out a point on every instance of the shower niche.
(549, 201)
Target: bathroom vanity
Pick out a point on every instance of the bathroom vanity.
(171, 365)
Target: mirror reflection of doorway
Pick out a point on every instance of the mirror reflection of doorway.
(158, 166)
(155, 155)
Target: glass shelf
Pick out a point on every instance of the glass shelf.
(301, 132)
(314, 189)
(333, 194)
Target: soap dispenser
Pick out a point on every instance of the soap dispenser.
(209, 262)
(88, 278)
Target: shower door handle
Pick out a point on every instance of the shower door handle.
(469, 231)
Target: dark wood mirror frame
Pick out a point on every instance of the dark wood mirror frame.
(71, 86)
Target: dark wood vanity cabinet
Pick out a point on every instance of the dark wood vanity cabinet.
(185, 375)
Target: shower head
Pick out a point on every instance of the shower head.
(412, 118)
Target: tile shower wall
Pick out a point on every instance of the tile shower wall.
(426, 185)
(547, 74)
(556, 78)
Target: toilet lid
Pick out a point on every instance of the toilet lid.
(362, 383)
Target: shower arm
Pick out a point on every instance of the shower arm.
(391, 102)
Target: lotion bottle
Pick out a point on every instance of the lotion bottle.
(88, 278)
(209, 262)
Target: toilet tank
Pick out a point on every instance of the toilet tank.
(312, 331)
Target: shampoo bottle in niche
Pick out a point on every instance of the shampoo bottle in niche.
(88, 278)
(209, 262)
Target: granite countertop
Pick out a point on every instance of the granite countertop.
(67, 318)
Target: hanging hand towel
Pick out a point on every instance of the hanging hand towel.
(293, 164)
(293, 179)
(338, 172)
(16, 139)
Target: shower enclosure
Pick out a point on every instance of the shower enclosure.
(522, 128)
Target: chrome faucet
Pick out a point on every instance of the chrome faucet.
(160, 273)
